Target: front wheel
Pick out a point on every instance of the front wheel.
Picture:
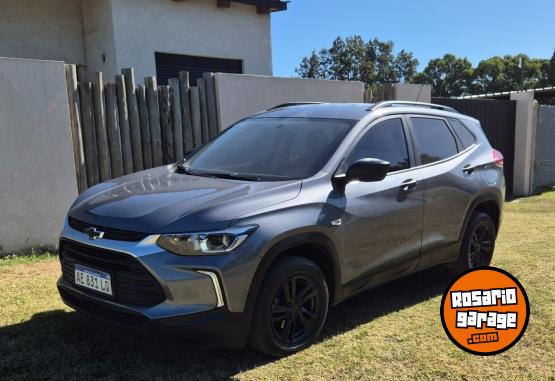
(478, 242)
(291, 308)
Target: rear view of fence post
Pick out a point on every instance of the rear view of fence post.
(211, 104)
(89, 135)
(76, 132)
(195, 116)
(126, 149)
(177, 123)
(186, 110)
(134, 124)
(166, 124)
(145, 126)
(154, 119)
(100, 123)
(201, 83)
(112, 127)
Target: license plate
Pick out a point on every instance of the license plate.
(93, 279)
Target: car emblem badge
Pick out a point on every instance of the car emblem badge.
(93, 233)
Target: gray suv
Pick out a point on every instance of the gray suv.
(252, 237)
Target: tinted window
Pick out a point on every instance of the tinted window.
(271, 148)
(433, 139)
(385, 141)
(466, 136)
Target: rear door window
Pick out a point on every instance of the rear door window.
(466, 137)
(434, 140)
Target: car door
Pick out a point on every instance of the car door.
(442, 159)
(382, 220)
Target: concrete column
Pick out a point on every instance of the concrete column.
(525, 131)
(38, 182)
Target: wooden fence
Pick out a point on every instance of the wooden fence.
(120, 128)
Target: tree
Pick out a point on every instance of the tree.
(551, 70)
(310, 67)
(449, 76)
(498, 74)
(352, 58)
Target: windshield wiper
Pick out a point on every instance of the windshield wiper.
(221, 175)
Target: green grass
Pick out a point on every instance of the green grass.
(393, 332)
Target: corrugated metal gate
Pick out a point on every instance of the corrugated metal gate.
(497, 118)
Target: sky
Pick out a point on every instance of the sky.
(428, 28)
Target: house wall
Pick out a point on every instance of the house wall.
(193, 27)
(45, 29)
(98, 29)
(239, 96)
(36, 154)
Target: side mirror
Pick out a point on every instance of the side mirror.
(367, 170)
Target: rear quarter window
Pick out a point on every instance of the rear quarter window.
(464, 134)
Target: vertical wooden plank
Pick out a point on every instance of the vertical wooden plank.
(112, 128)
(100, 127)
(134, 124)
(211, 104)
(166, 125)
(195, 117)
(154, 120)
(145, 127)
(201, 83)
(82, 73)
(89, 134)
(186, 110)
(125, 133)
(177, 123)
(75, 124)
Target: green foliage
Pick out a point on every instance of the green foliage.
(449, 76)
(372, 62)
(375, 63)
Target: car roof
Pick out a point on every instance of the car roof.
(352, 111)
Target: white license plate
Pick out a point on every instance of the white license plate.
(93, 279)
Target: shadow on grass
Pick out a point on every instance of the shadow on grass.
(59, 344)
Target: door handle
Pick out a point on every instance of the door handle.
(409, 184)
(468, 169)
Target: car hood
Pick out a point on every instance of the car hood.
(160, 200)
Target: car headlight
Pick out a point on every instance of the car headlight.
(216, 242)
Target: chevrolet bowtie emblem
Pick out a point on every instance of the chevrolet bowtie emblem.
(93, 233)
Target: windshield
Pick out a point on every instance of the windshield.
(271, 149)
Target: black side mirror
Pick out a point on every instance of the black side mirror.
(367, 170)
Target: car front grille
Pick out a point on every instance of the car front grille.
(131, 282)
(109, 233)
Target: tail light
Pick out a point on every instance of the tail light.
(497, 158)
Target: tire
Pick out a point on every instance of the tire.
(478, 242)
(280, 325)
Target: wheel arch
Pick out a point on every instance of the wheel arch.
(490, 203)
(316, 247)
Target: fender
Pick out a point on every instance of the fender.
(285, 244)
(491, 194)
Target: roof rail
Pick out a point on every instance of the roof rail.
(407, 103)
(293, 104)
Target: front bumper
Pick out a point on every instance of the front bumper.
(202, 296)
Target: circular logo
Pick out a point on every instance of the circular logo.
(485, 311)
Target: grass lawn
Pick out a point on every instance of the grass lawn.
(393, 332)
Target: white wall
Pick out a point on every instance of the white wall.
(100, 45)
(239, 96)
(42, 29)
(192, 27)
(37, 181)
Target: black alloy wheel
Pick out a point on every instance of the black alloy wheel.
(295, 310)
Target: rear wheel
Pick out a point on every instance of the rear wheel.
(291, 308)
(478, 242)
